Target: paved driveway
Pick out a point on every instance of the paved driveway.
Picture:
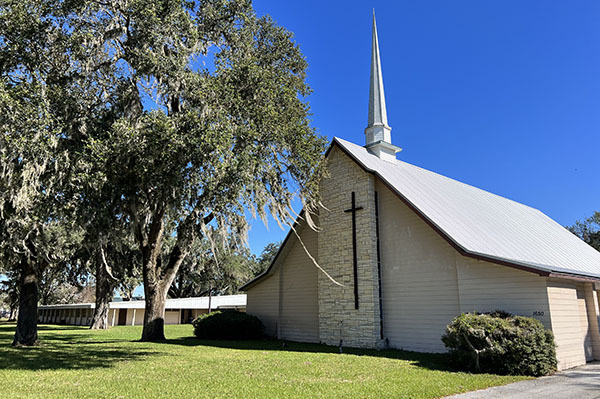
(579, 383)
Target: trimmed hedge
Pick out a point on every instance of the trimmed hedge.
(501, 343)
(227, 324)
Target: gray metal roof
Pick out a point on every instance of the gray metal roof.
(482, 223)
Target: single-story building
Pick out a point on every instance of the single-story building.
(177, 311)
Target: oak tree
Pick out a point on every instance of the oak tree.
(210, 124)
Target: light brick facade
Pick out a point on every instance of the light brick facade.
(338, 318)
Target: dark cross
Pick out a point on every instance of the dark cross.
(355, 258)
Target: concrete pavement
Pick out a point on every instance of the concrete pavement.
(579, 383)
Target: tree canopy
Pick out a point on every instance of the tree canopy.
(205, 273)
(191, 147)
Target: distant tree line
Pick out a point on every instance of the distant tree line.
(137, 138)
(588, 230)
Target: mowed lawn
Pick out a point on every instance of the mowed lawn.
(74, 362)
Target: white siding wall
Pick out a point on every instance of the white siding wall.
(299, 313)
(485, 287)
(418, 273)
(263, 302)
(426, 282)
(293, 315)
(566, 323)
(131, 313)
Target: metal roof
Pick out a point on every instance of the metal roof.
(217, 302)
(481, 223)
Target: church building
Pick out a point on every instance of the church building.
(410, 249)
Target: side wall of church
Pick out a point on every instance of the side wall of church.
(263, 302)
(485, 287)
(426, 282)
(287, 301)
(338, 318)
(419, 281)
(299, 313)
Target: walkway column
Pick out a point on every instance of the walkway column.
(133, 318)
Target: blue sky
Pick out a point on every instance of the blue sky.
(502, 95)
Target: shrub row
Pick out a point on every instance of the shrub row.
(227, 324)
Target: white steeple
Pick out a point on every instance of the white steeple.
(378, 133)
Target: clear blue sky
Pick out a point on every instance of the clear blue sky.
(502, 95)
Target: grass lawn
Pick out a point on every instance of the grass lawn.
(74, 362)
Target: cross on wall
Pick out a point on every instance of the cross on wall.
(353, 210)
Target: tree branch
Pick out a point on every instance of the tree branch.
(107, 268)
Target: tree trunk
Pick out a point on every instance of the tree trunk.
(154, 316)
(104, 293)
(157, 282)
(100, 318)
(157, 276)
(26, 332)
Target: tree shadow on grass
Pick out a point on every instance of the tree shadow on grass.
(52, 357)
(430, 361)
(51, 332)
(66, 351)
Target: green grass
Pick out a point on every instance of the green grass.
(74, 362)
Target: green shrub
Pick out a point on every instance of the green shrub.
(501, 343)
(227, 324)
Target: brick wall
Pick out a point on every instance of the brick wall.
(338, 318)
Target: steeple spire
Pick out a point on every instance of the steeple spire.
(378, 133)
(377, 111)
